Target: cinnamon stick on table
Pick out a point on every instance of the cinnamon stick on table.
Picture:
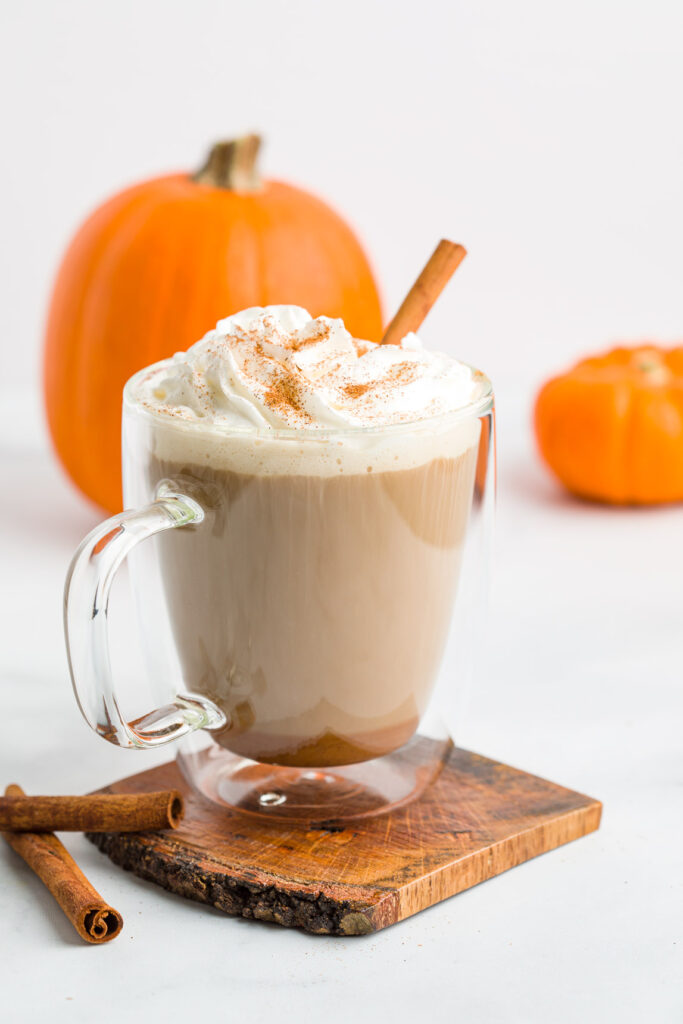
(435, 275)
(94, 920)
(100, 812)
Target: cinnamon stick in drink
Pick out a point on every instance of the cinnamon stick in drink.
(99, 812)
(94, 920)
(436, 274)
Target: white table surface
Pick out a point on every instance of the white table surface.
(582, 683)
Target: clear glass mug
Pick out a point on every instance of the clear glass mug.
(302, 612)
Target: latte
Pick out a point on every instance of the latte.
(313, 602)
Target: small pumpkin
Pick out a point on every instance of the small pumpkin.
(611, 428)
(156, 266)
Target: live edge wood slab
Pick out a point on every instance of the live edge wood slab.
(478, 819)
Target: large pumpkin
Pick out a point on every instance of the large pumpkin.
(155, 267)
(611, 428)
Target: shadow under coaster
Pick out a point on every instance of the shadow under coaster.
(477, 819)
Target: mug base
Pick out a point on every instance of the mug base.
(319, 796)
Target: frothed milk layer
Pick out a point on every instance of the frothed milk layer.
(273, 391)
(259, 455)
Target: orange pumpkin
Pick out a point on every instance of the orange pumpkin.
(155, 267)
(611, 428)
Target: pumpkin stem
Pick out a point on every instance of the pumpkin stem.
(232, 165)
(651, 364)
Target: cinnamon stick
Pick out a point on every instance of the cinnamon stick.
(94, 920)
(100, 812)
(436, 274)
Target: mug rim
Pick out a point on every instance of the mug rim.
(475, 408)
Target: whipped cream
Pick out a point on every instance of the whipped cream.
(265, 392)
(279, 367)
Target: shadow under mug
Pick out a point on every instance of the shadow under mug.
(307, 588)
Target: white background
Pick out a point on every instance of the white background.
(549, 139)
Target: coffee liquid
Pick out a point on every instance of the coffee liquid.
(314, 610)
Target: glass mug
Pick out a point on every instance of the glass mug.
(301, 614)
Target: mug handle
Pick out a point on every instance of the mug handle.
(86, 604)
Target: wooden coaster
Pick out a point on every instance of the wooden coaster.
(478, 819)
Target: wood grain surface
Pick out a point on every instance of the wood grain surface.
(479, 818)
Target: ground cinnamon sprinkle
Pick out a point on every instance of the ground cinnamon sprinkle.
(320, 333)
(402, 374)
(283, 395)
(355, 390)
